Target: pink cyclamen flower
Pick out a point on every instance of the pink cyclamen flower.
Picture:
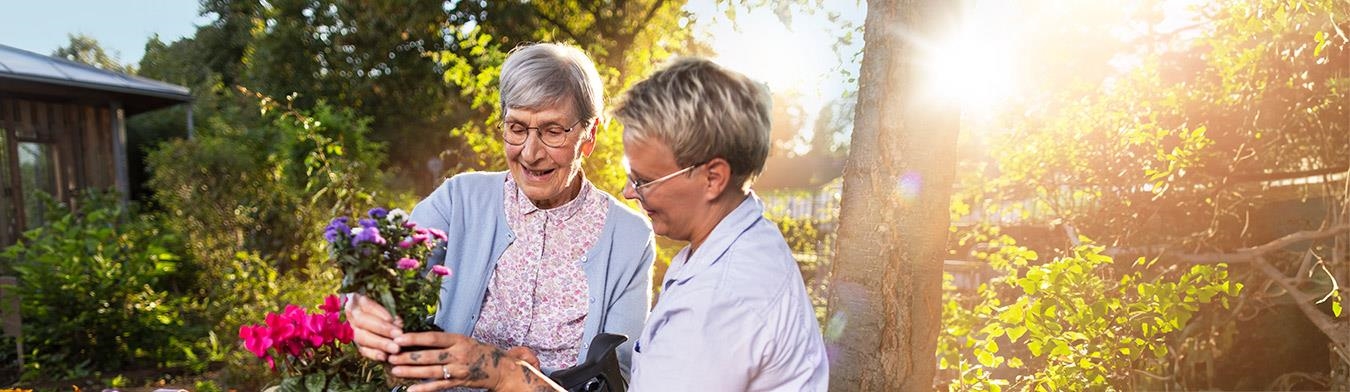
(331, 304)
(280, 327)
(314, 328)
(256, 339)
(407, 263)
(441, 270)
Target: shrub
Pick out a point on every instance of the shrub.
(95, 284)
(1076, 322)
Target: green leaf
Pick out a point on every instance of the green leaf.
(1061, 349)
(1035, 346)
(316, 382)
(986, 358)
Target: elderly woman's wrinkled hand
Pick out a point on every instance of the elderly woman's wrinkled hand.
(373, 328)
(524, 354)
(452, 360)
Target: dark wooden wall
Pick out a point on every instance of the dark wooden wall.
(82, 137)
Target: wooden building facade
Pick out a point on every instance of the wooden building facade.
(63, 130)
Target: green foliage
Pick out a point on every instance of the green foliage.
(1192, 149)
(1076, 322)
(99, 291)
(86, 50)
(813, 247)
(254, 200)
(1170, 151)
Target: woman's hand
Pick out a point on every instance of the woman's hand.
(525, 354)
(460, 361)
(373, 328)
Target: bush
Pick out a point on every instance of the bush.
(254, 201)
(96, 288)
(1076, 322)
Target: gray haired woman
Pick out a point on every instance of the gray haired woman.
(733, 313)
(543, 260)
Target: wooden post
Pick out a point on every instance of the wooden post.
(11, 322)
(119, 130)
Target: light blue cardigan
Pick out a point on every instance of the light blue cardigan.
(470, 209)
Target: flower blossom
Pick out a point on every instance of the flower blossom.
(396, 215)
(407, 263)
(367, 234)
(440, 270)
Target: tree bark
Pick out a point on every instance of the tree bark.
(886, 284)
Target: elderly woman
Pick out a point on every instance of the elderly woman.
(733, 313)
(543, 260)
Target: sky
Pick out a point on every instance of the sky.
(122, 27)
(801, 57)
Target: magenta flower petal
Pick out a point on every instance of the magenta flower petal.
(331, 304)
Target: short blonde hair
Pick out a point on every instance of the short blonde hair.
(701, 111)
(539, 75)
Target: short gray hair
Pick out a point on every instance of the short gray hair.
(539, 75)
(701, 111)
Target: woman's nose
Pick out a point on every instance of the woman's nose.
(533, 146)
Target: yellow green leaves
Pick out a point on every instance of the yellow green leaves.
(1073, 320)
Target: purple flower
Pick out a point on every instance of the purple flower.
(377, 213)
(440, 270)
(407, 263)
(367, 234)
(334, 231)
(367, 223)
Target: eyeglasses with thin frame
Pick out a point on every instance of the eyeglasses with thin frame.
(640, 186)
(552, 135)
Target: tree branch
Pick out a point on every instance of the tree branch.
(1255, 177)
(1324, 323)
(1244, 255)
(646, 19)
(559, 25)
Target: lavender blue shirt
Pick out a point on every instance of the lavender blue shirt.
(470, 208)
(733, 317)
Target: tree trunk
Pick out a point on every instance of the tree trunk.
(886, 284)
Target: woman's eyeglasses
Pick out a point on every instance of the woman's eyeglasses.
(553, 135)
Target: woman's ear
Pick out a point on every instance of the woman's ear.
(719, 178)
(588, 145)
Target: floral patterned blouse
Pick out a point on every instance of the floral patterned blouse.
(537, 296)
